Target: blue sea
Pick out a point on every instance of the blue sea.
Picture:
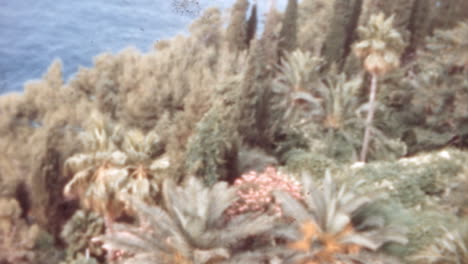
(35, 32)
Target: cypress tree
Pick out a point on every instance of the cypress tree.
(248, 97)
(338, 42)
(418, 26)
(288, 34)
(272, 22)
(236, 31)
(251, 25)
(270, 37)
(212, 148)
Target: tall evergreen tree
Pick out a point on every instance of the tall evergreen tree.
(236, 31)
(247, 100)
(251, 25)
(272, 22)
(341, 31)
(418, 26)
(212, 149)
(288, 34)
(270, 36)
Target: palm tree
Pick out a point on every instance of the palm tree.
(298, 71)
(113, 163)
(380, 48)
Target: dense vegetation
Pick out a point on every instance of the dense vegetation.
(336, 135)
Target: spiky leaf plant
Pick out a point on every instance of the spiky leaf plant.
(104, 135)
(337, 117)
(113, 163)
(96, 178)
(99, 145)
(328, 107)
(297, 72)
(138, 146)
(191, 228)
(329, 226)
(380, 48)
(452, 248)
(143, 180)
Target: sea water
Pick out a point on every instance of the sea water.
(35, 32)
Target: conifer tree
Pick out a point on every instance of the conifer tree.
(251, 25)
(270, 36)
(418, 25)
(272, 22)
(248, 96)
(341, 31)
(288, 34)
(213, 147)
(267, 56)
(236, 31)
(313, 22)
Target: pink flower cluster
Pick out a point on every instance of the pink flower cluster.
(255, 191)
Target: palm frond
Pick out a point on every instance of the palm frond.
(452, 248)
(191, 229)
(326, 228)
(114, 163)
(380, 46)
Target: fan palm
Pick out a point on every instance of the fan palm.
(113, 163)
(97, 176)
(380, 48)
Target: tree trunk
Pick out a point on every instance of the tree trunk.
(370, 117)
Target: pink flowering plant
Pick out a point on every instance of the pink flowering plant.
(255, 192)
